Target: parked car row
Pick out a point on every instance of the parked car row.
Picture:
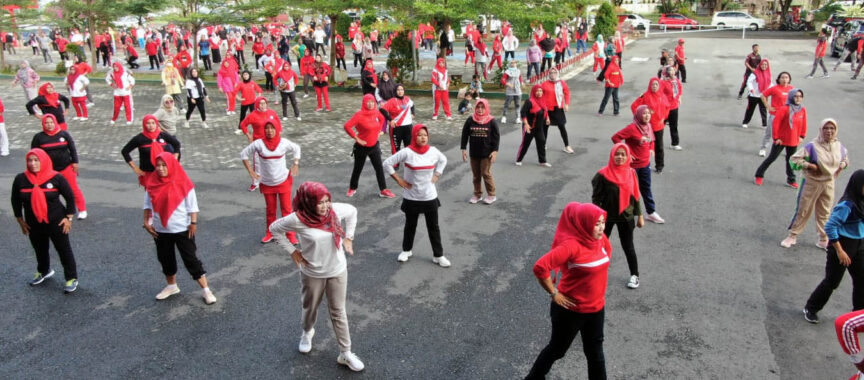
(734, 19)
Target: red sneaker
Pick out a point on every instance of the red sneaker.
(350, 193)
(253, 187)
(386, 193)
(793, 185)
(758, 181)
(267, 238)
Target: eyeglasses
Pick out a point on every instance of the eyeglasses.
(169, 101)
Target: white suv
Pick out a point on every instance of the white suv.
(737, 19)
(637, 21)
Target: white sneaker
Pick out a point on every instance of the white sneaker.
(209, 298)
(348, 358)
(474, 200)
(744, 126)
(490, 200)
(285, 118)
(128, 123)
(442, 261)
(305, 96)
(518, 163)
(112, 122)
(238, 132)
(546, 165)
(169, 291)
(503, 119)
(655, 217)
(83, 119)
(449, 118)
(761, 152)
(299, 119)
(82, 215)
(403, 257)
(435, 117)
(76, 118)
(186, 124)
(91, 104)
(204, 124)
(306, 341)
(634, 282)
(677, 147)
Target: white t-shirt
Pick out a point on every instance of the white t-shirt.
(180, 218)
(273, 166)
(78, 88)
(319, 36)
(419, 169)
(325, 259)
(126, 88)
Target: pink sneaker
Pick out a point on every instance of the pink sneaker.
(350, 193)
(474, 200)
(789, 241)
(386, 193)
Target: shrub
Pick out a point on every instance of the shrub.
(60, 69)
(369, 18)
(606, 22)
(400, 60)
(343, 22)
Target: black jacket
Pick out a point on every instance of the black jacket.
(169, 144)
(54, 189)
(60, 147)
(484, 138)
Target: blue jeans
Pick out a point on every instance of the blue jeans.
(644, 175)
(535, 66)
(580, 46)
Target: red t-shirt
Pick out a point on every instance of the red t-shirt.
(368, 128)
(584, 273)
(789, 135)
(778, 95)
(679, 54)
(61, 44)
(248, 92)
(152, 48)
(257, 119)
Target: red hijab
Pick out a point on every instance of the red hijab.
(56, 129)
(305, 205)
(117, 75)
(413, 146)
(577, 223)
(166, 193)
(622, 176)
(537, 102)
(72, 77)
(226, 70)
(273, 143)
(441, 66)
(50, 98)
(370, 67)
(763, 77)
(482, 119)
(285, 72)
(367, 112)
(37, 198)
(656, 101)
(155, 147)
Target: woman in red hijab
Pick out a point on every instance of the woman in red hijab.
(581, 254)
(367, 122)
(43, 218)
(171, 217)
(48, 101)
(60, 147)
(368, 79)
(758, 82)
(286, 81)
(658, 103)
(612, 80)
(480, 134)
(440, 87)
(321, 82)
(616, 191)
(639, 137)
(535, 118)
(318, 222)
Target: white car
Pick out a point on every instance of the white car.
(637, 21)
(737, 19)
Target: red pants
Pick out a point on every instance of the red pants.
(442, 97)
(126, 103)
(63, 126)
(495, 59)
(325, 93)
(285, 205)
(72, 178)
(232, 100)
(599, 62)
(80, 104)
(469, 54)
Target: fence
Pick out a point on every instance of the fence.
(680, 29)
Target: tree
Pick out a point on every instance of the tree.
(606, 22)
(196, 13)
(13, 13)
(87, 15)
(142, 8)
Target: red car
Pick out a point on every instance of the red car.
(677, 20)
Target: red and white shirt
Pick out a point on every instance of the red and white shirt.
(273, 169)
(419, 170)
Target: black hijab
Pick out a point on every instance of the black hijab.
(386, 89)
(853, 195)
(246, 72)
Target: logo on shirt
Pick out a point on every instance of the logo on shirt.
(62, 139)
(49, 186)
(162, 141)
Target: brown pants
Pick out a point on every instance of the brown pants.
(482, 167)
(814, 196)
(335, 288)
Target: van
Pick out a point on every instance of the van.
(737, 19)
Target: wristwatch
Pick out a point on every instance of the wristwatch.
(554, 292)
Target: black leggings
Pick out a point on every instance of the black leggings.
(40, 234)
(199, 103)
(285, 97)
(672, 119)
(752, 103)
(834, 274)
(625, 234)
(342, 61)
(659, 153)
(429, 209)
(511, 54)
(538, 134)
(747, 73)
(543, 65)
(566, 324)
(165, 244)
(154, 61)
(268, 81)
(776, 149)
(358, 58)
(243, 110)
(206, 59)
(360, 153)
(400, 136)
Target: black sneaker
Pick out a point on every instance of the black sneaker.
(39, 278)
(71, 286)
(811, 317)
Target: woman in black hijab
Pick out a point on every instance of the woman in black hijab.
(845, 230)
(386, 87)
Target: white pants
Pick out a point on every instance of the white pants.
(4, 140)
